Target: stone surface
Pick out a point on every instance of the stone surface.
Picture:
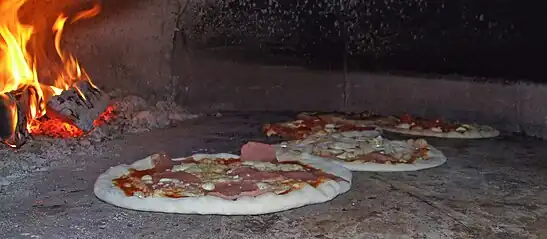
(464, 100)
(127, 46)
(209, 83)
(488, 189)
(532, 111)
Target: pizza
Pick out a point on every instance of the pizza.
(364, 151)
(408, 124)
(302, 128)
(256, 182)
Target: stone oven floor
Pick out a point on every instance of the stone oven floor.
(488, 189)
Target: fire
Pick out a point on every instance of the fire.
(21, 47)
(59, 129)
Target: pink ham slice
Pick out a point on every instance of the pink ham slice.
(327, 175)
(161, 162)
(252, 174)
(253, 151)
(181, 176)
(300, 175)
(233, 190)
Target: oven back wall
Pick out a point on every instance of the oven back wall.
(127, 46)
(313, 55)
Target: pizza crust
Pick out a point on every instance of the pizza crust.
(479, 132)
(246, 205)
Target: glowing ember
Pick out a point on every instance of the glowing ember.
(19, 64)
(59, 129)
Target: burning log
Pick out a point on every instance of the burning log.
(15, 108)
(80, 105)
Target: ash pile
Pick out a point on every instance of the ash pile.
(78, 122)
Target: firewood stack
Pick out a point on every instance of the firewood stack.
(80, 105)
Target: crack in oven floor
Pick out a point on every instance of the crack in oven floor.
(488, 187)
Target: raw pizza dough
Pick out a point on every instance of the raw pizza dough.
(305, 149)
(244, 205)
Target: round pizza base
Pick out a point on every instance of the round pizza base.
(246, 205)
(436, 158)
(487, 132)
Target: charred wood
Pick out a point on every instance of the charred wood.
(15, 108)
(80, 105)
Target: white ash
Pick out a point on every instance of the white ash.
(132, 115)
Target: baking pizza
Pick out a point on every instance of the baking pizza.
(256, 182)
(407, 124)
(302, 128)
(365, 151)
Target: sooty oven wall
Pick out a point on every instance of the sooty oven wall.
(309, 55)
(128, 46)
(296, 54)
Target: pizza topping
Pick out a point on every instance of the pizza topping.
(233, 190)
(161, 162)
(437, 129)
(254, 174)
(180, 176)
(404, 126)
(301, 129)
(226, 178)
(208, 186)
(300, 175)
(363, 148)
(258, 152)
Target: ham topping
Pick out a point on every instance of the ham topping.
(254, 174)
(243, 185)
(254, 151)
(300, 175)
(161, 162)
(232, 190)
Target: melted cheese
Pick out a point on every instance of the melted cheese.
(266, 166)
(436, 129)
(403, 126)
(295, 124)
(184, 167)
(208, 186)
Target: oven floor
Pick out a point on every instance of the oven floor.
(488, 189)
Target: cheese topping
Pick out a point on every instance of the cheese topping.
(266, 166)
(208, 186)
(403, 126)
(436, 129)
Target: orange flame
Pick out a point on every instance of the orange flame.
(18, 66)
